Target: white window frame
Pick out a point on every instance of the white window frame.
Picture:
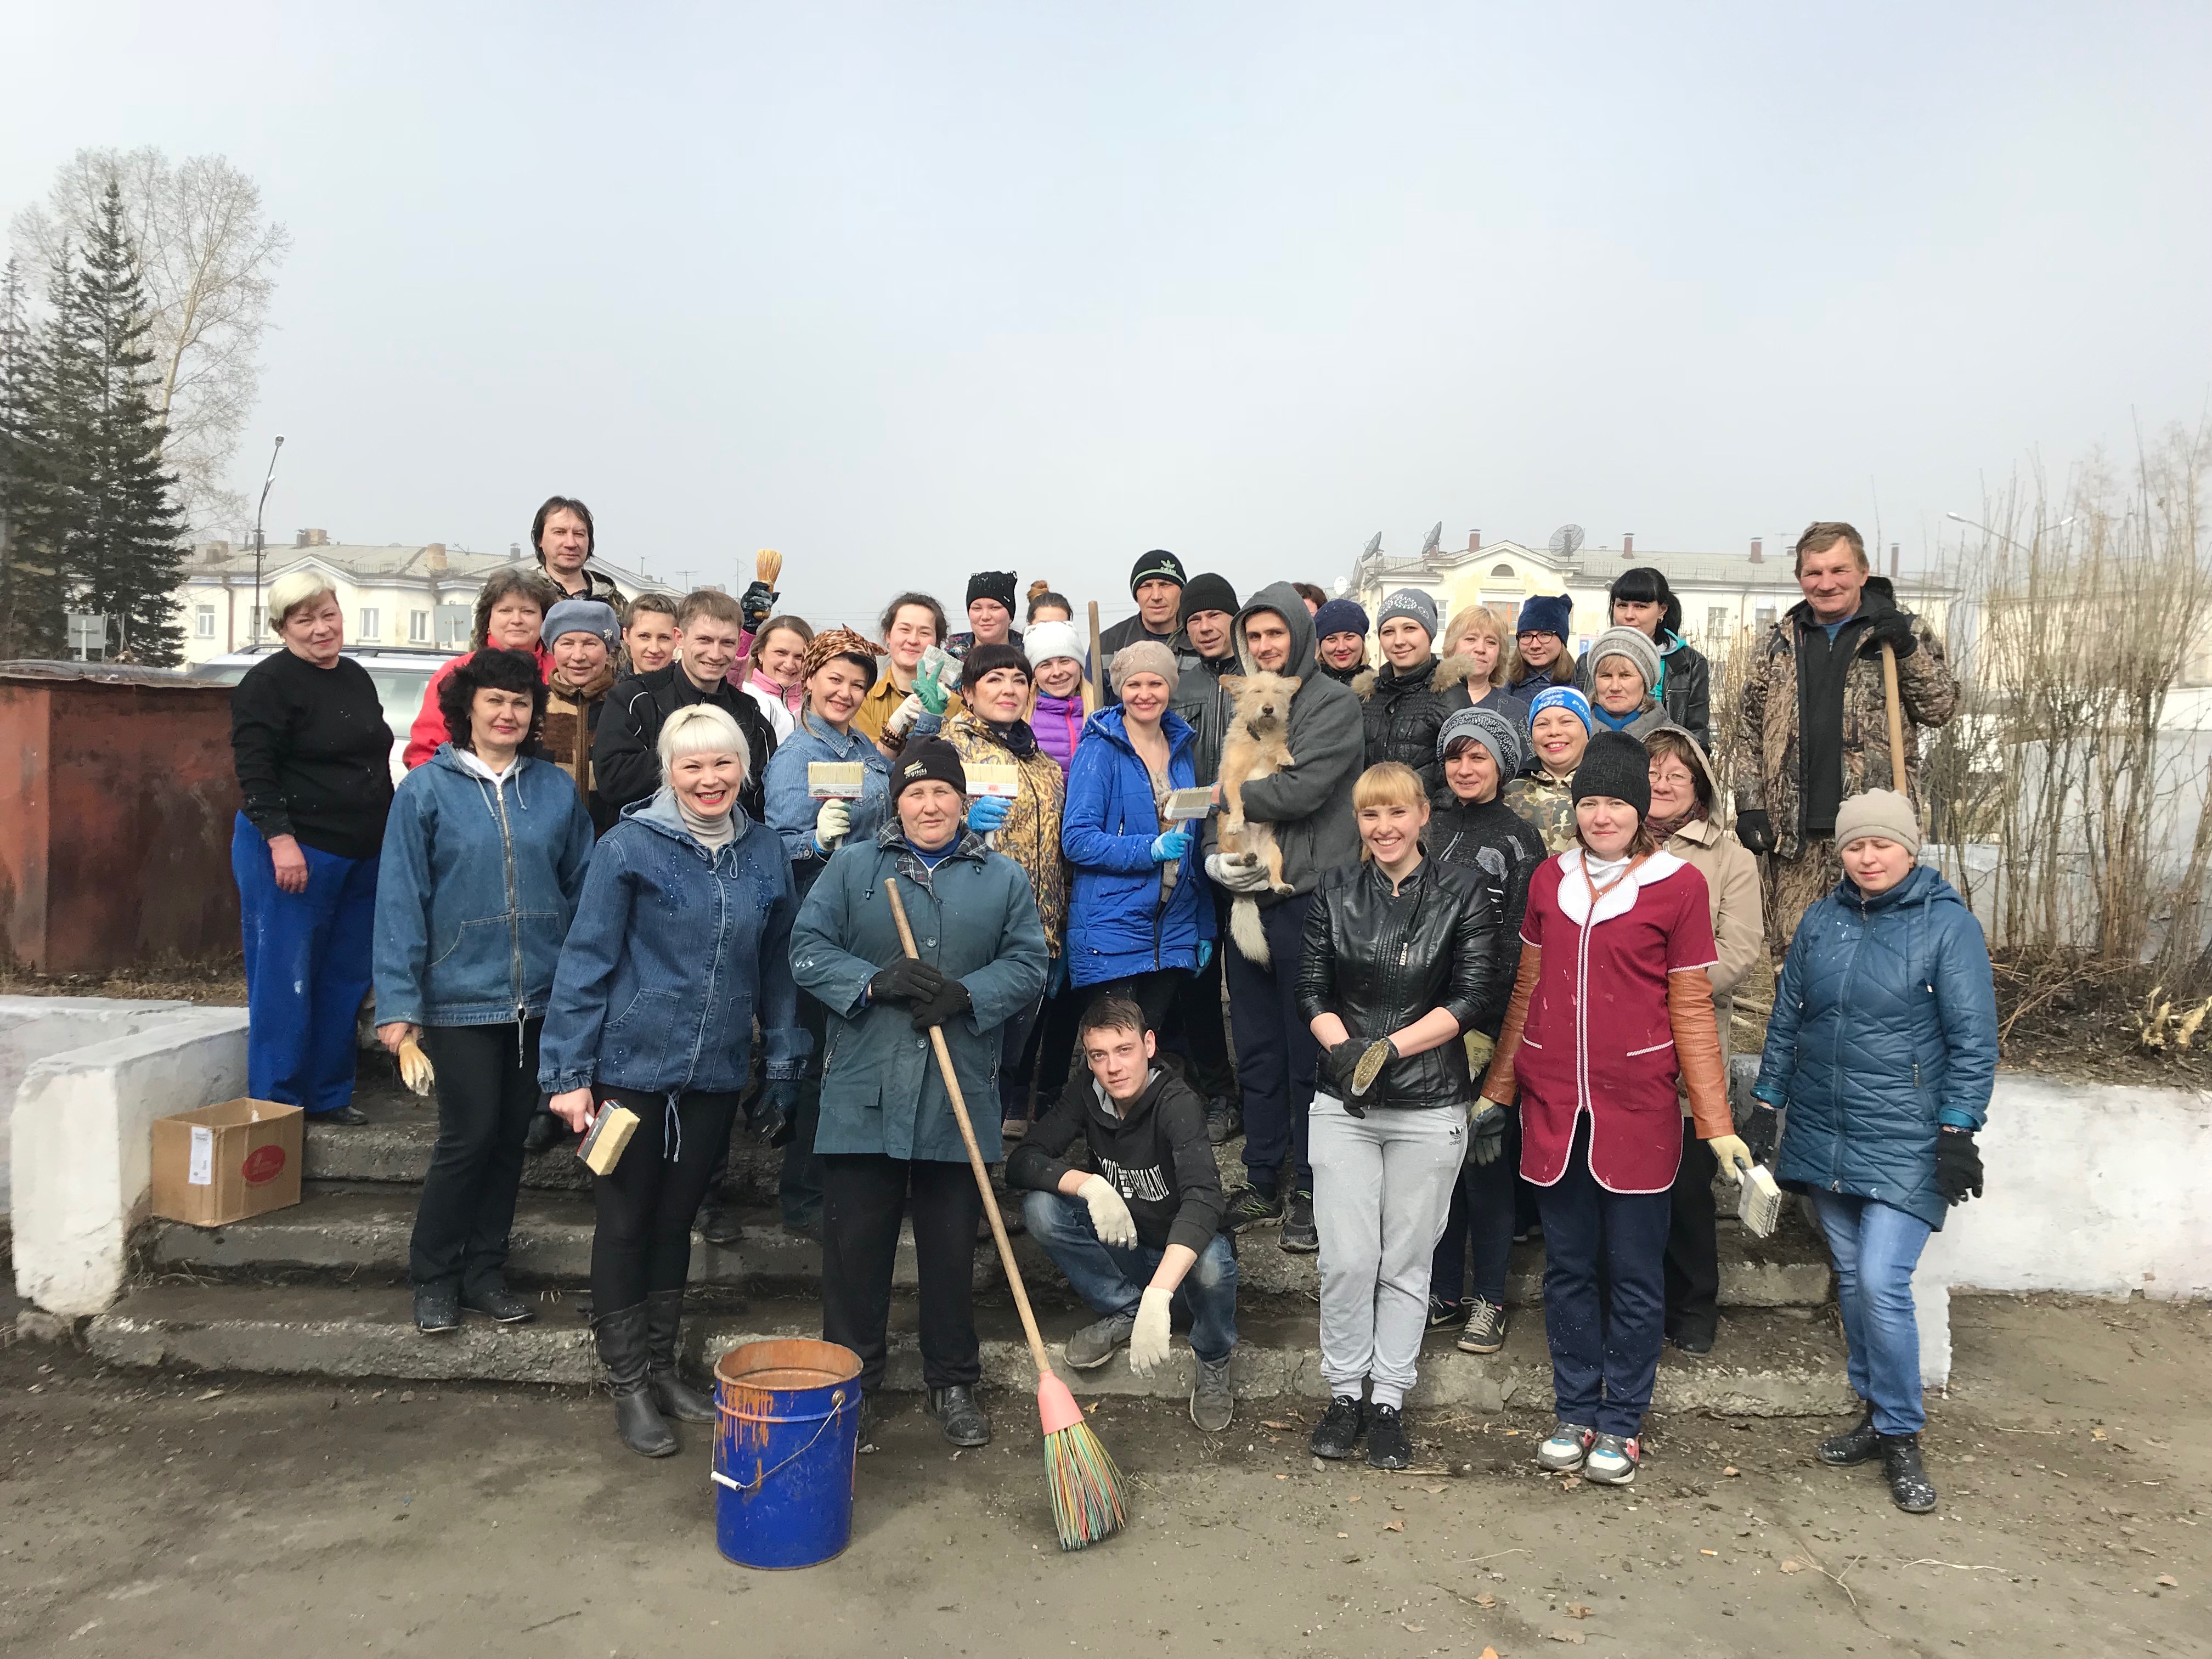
(371, 622)
(419, 627)
(203, 621)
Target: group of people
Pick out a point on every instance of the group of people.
(1486, 989)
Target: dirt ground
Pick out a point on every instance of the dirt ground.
(143, 1516)
(218, 984)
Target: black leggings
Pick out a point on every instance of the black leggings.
(487, 1089)
(648, 1201)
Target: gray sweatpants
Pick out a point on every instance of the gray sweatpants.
(1383, 1187)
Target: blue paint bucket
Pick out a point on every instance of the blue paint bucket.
(786, 1450)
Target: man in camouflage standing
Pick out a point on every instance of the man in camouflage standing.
(1814, 726)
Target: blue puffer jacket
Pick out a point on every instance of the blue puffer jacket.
(1116, 924)
(475, 890)
(1885, 1026)
(674, 952)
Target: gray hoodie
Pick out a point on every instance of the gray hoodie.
(1310, 804)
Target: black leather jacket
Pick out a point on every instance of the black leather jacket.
(1401, 714)
(1379, 962)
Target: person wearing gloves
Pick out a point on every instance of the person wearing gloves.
(1641, 599)
(1623, 670)
(1611, 1011)
(1157, 585)
(911, 623)
(1540, 646)
(681, 940)
(1064, 698)
(1471, 665)
(1309, 805)
(1684, 802)
(1479, 747)
(483, 859)
(626, 752)
(1145, 1235)
(582, 636)
(1559, 726)
(888, 1143)
(1341, 640)
(1401, 711)
(773, 671)
(1396, 967)
(1880, 1060)
(990, 613)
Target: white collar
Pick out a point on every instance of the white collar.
(474, 763)
(1619, 898)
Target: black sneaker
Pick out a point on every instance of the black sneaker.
(718, 1222)
(1909, 1486)
(1250, 1207)
(1300, 1235)
(1340, 1428)
(496, 1302)
(1224, 1122)
(1442, 1313)
(1484, 1330)
(1389, 1445)
(543, 1131)
(437, 1309)
(1857, 1444)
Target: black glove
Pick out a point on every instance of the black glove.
(1760, 1131)
(1957, 1165)
(1485, 1135)
(948, 1003)
(774, 1113)
(1755, 829)
(1893, 628)
(907, 979)
(1338, 1063)
(756, 605)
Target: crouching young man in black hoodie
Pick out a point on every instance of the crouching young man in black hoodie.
(1144, 1233)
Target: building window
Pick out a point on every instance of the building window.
(1717, 621)
(1505, 570)
(372, 621)
(203, 622)
(419, 627)
(1765, 614)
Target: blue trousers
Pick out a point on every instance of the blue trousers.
(1112, 1281)
(1876, 1248)
(1604, 1359)
(307, 960)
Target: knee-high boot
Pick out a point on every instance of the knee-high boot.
(663, 1321)
(622, 1343)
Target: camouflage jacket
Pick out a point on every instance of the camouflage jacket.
(1031, 835)
(1548, 806)
(1769, 763)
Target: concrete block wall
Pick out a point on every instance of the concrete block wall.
(31, 1028)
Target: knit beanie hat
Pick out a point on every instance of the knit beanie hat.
(582, 616)
(933, 758)
(1615, 764)
(1340, 617)
(837, 642)
(1207, 591)
(1501, 734)
(1144, 657)
(1158, 562)
(1882, 812)
(1547, 613)
(993, 585)
(1047, 640)
(984, 658)
(1410, 602)
(1631, 643)
(1562, 696)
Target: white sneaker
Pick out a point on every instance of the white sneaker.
(1611, 1460)
(1566, 1448)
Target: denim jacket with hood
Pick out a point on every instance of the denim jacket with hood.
(675, 952)
(792, 809)
(474, 892)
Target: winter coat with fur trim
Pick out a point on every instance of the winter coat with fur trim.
(1400, 717)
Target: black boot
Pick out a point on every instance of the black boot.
(664, 1319)
(960, 1416)
(543, 1131)
(1855, 1444)
(621, 1340)
(1908, 1482)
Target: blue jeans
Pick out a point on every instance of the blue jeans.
(307, 970)
(1604, 1358)
(1112, 1281)
(1876, 1248)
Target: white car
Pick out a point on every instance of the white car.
(401, 673)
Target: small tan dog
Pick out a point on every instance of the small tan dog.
(1257, 746)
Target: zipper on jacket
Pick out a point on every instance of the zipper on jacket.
(514, 908)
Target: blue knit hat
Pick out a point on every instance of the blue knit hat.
(1340, 617)
(1562, 696)
(1500, 733)
(1547, 613)
(582, 616)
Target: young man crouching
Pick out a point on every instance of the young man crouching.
(1142, 1235)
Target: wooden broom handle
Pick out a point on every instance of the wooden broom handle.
(975, 1153)
(1896, 701)
(1097, 684)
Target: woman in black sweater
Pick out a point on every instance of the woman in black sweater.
(314, 771)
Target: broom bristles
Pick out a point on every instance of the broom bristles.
(1086, 1486)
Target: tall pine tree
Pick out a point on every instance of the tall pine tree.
(115, 510)
(32, 588)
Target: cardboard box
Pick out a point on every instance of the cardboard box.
(223, 1164)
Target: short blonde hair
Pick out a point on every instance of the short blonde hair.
(1480, 619)
(699, 728)
(288, 593)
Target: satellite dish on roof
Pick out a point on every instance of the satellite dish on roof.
(1567, 540)
(1435, 536)
(1374, 546)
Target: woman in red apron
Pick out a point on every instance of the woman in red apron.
(1611, 1007)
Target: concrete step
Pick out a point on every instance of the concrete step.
(1779, 1363)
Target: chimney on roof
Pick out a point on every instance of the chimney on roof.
(1627, 543)
(1758, 550)
(515, 550)
(1474, 541)
(1893, 561)
(434, 556)
(322, 538)
(300, 538)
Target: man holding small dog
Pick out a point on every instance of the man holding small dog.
(1307, 803)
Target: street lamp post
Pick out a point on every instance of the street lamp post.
(259, 506)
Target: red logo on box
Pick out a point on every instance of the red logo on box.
(263, 1165)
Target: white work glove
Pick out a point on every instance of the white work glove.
(1109, 1216)
(832, 825)
(1734, 1157)
(1240, 872)
(1148, 1343)
(903, 717)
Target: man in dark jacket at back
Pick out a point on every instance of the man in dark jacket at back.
(1140, 1231)
(625, 750)
(1209, 622)
(1157, 585)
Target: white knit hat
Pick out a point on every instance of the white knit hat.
(1882, 812)
(1043, 642)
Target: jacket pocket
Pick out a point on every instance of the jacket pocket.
(1652, 1048)
(635, 1041)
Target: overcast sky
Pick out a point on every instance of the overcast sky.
(909, 291)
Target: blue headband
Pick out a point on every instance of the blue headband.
(1566, 697)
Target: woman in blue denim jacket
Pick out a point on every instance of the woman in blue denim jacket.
(484, 855)
(682, 941)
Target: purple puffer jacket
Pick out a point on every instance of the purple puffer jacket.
(1058, 723)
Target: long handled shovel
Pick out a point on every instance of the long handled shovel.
(1895, 699)
(1086, 1487)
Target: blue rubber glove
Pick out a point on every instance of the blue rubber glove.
(1170, 847)
(1205, 955)
(932, 694)
(989, 812)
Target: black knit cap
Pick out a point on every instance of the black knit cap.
(982, 659)
(991, 585)
(933, 758)
(1615, 764)
(1207, 591)
(1158, 562)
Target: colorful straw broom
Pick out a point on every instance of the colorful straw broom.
(1086, 1486)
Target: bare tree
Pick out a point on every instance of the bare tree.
(210, 254)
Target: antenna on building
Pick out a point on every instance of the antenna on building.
(1436, 538)
(1566, 540)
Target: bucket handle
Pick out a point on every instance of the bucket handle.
(837, 1410)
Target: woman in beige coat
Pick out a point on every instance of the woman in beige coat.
(1683, 818)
